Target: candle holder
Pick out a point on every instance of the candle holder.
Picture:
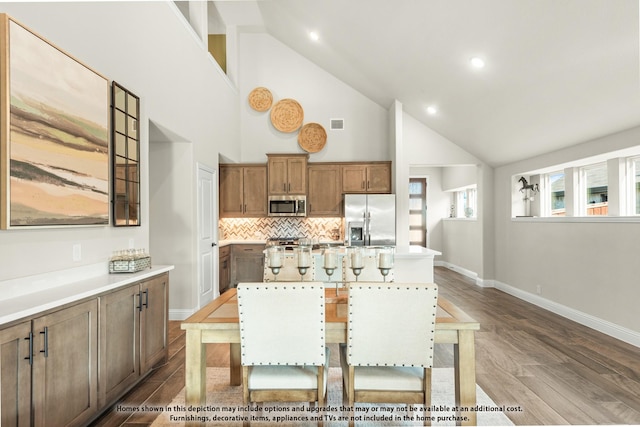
(275, 256)
(330, 264)
(357, 262)
(356, 271)
(303, 253)
(385, 261)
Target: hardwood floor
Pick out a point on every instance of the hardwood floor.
(557, 371)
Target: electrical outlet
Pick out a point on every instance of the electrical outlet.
(131, 243)
(538, 289)
(77, 252)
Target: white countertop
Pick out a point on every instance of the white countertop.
(31, 295)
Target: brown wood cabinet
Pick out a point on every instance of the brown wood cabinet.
(15, 388)
(224, 269)
(325, 191)
(243, 191)
(65, 366)
(287, 173)
(247, 263)
(133, 334)
(51, 364)
(374, 177)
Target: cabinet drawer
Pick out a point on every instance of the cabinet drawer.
(248, 249)
(224, 251)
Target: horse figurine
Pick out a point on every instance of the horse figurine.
(527, 186)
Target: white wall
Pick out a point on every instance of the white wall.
(150, 49)
(586, 266)
(456, 177)
(264, 61)
(462, 241)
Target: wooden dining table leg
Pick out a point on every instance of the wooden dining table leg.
(195, 370)
(465, 375)
(235, 365)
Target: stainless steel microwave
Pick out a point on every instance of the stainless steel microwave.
(287, 205)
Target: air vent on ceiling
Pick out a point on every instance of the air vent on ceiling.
(337, 124)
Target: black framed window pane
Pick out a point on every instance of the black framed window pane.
(132, 150)
(119, 98)
(132, 127)
(132, 105)
(120, 142)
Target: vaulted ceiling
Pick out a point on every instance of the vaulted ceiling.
(557, 72)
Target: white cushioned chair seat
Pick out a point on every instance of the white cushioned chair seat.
(288, 377)
(398, 378)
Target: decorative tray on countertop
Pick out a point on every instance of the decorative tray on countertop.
(129, 266)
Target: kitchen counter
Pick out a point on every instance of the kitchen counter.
(27, 296)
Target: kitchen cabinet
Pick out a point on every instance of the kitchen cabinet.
(287, 173)
(325, 191)
(64, 387)
(133, 334)
(374, 177)
(247, 263)
(224, 269)
(49, 368)
(15, 388)
(243, 191)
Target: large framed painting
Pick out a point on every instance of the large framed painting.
(54, 135)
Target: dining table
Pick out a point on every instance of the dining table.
(218, 322)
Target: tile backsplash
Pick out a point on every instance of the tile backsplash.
(264, 228)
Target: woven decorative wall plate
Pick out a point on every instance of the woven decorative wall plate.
(260, 99)
(312, 137)
(287, 115)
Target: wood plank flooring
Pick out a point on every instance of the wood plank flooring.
(556, 371)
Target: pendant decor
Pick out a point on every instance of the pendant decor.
(312, 137)
(260, 99)
(287, 115)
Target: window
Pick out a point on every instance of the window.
(594, 189)
(633, 171)
(466, 203)
(418, 211)
(556, 194)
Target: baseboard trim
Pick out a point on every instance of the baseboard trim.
(468, 273)
(616, 331)
(608, 328)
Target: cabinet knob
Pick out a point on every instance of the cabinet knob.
(213, 245)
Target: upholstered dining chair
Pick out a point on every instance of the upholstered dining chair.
(282, 342)
(390, 336)
(370, 272)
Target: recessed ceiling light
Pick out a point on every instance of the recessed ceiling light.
(314, 36)
(477, 62)
(432, 110)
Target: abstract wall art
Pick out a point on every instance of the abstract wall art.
(54, 135)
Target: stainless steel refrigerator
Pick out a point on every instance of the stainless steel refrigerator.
(370, 219)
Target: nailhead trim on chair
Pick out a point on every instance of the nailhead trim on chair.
(389, 287)
(259, 287)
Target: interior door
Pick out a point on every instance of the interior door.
(207, 244)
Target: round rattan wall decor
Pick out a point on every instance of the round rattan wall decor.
(287, 115)
(312, 137)
(260, 99)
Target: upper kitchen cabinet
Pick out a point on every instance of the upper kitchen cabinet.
(325, 192)
(287, 173)
(243, 191)
(374, 177)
